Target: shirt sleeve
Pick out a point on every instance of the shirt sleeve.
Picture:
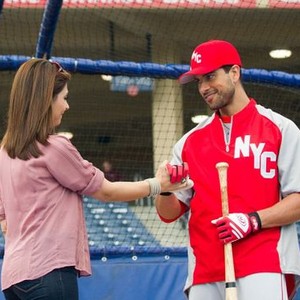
(289, 158)
(67, 166)
(183, 210)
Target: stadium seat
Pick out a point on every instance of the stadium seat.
(114, 224)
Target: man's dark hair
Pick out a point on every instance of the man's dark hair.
(227, 68)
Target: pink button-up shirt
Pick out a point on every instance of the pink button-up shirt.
(41, 201)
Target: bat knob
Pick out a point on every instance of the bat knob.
(222, 164)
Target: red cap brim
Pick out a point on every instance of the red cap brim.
(190, 75)
(186, 78)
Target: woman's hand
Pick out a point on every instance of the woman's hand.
(3, 227)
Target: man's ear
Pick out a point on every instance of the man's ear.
(235, 72)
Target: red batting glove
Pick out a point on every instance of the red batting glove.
(178, 173)
(237, 226)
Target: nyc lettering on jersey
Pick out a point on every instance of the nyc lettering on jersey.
(261, 157)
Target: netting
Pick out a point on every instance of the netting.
(134, 119)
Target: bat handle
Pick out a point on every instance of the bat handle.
(230, 282)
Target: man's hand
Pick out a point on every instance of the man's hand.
(173, 177)
(178, 173)
(237, 226)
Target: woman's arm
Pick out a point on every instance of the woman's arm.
(128, 191)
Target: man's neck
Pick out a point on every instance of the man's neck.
(239, 102)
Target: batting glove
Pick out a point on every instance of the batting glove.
(237, 226)
(178, 173)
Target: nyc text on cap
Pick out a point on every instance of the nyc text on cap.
(210, 56)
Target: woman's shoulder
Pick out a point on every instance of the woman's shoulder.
(57, 144)
(60, 147)
(59, 140)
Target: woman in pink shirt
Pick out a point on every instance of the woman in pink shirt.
(42, 180)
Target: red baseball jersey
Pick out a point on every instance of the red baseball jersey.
(263, 153)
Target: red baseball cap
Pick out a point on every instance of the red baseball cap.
(210, 56)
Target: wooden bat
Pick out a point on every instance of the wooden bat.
(230, 283)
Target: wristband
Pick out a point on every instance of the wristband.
(255, 221)
(154, 186)
(166, 194)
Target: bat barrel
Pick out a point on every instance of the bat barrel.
(222, 172)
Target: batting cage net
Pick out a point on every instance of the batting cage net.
(126, 105)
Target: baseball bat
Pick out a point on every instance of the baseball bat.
(230, 283)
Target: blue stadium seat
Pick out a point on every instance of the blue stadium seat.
(1, 240)
(114, 224)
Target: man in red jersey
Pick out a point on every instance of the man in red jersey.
(262, 149)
